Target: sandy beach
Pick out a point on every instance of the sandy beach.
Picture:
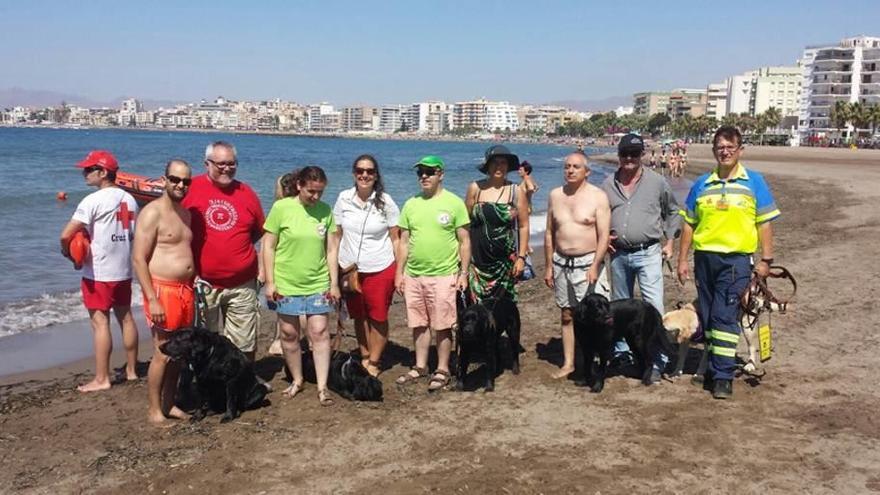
(809, 425)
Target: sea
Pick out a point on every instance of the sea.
(39, 288)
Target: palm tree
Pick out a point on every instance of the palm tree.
(840, 115)
(772, 117)
(859, 116)
(874, 117)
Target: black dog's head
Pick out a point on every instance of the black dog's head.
(475, 322)
(192, 345)
(594, 309)
(360, 383)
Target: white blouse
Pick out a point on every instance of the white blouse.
(365, 229)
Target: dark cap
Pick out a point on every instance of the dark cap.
(631, 142)
(502, 151)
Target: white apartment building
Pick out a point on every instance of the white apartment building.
(847, 71)
(485, 115)
(324, 118)
(755, 91)
(391, 118)
(716, 102)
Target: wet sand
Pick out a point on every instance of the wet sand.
(809, 425)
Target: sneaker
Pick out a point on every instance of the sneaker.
(723, 389)
(655, 377)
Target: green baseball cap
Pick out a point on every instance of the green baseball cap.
(431, 161)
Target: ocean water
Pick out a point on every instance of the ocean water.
(39, 288)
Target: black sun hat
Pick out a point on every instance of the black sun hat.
(502, 151)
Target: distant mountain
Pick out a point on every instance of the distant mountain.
(15, 96)
(600, 105)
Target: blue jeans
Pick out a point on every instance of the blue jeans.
(646, 266)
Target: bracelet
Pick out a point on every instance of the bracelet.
(767, 260)
(521, 257)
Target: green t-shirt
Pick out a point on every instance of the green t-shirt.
(432, 222)
(300, 253)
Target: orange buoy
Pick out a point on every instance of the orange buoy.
(61, 196)
(79, 248)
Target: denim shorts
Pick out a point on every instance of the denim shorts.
(315, 304)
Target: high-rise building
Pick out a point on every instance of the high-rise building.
(686, 102)
(358, 118)
(847, 71)
(390, 118)
(716, 100)
(484, 115)
(755, 91)
(324, 118)
(650, 102)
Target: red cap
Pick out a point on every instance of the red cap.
(101, 158)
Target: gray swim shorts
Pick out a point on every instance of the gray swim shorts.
(570, 279)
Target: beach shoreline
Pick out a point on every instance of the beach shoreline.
(807, 426)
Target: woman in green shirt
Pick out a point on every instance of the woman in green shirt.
(300, 247)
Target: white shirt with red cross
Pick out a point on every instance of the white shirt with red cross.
(109, 215)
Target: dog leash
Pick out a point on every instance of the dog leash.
(758, 290)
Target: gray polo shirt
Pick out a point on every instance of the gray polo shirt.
(648, 215)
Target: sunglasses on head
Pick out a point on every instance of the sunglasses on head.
(426, 171)
(362, 171)
(177, 180)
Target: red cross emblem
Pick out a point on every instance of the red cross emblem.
(125, 216)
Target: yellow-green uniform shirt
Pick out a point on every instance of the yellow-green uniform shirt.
(725, 214)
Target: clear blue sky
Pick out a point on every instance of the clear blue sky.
(404, 51)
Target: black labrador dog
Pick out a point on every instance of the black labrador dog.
(224, 376)
(598, 324)
(480, 327)
(348, 378)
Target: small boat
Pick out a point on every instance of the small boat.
(144, 189)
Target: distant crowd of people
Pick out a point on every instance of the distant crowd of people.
(208, 236)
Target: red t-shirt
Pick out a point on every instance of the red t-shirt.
(225, 224)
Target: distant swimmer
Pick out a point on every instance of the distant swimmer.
(163, 261)
(109, 216)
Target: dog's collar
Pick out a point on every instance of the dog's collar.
(345, 366)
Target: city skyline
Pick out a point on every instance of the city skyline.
(394, 52)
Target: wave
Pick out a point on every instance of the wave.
(47, 310)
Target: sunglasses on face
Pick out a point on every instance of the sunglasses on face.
(362, 171)
(630, 154)
(426, 171)
(93, 168)
(230, 164)
(177, 180)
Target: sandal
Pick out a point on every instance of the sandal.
(324, 399)
(438, 381)
(294, 389)
(414, 373)
(374, 368)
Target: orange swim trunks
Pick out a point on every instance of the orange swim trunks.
(179, 302)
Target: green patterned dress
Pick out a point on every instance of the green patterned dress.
(493, 250)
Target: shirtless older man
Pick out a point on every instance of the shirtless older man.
(163, 260)
(578, 222)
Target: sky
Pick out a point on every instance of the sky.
(383, 52)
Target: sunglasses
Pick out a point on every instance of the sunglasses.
(630, 154)
(230, 164)
(177, 180)
(93, 168)
(362, 171)
(426, 171)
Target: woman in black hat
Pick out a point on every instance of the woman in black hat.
(499, 227)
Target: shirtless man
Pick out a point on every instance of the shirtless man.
(578, 222)
(163, 261)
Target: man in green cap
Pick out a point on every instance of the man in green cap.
(432, 264)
